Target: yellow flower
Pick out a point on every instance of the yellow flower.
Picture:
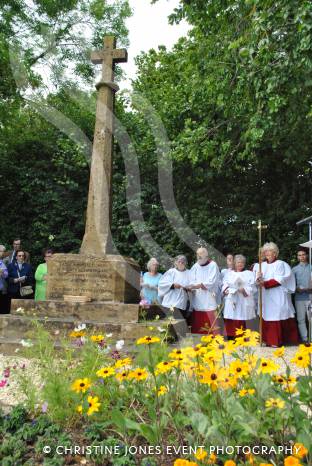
(176, 353)
(138, 374)
(162, 390)
(279, 379)
(105, 372)
(248, 339)
(79, 409)
(163, 367)
(300, 451)
(212, 377)
(121, 376)
(267, 366)
(305, 348)
(265, 464)
(207, 338)
(123, 362)
(181, 462)
(291, 461)
(290, 388)
(275, 403)
(97, 338)
(77, 334)
(224, 347)
(244, 392)
(212, 459)
(201, 454)
(147, 340)
(301, 360)
(196, 351)
(81, 385)
(94, 405)
(239, 368)
(230, 463)
(279, 352)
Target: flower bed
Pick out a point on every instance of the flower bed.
(214, 403)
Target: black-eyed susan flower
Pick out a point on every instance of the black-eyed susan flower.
(97, 338)
(301, 360)
(248, 339)
(230, 463)
(279, 352)
(247, 391)
(121, 376)
(212, 459)
(239, 368)
(162, 390)
(77, 334)
(126, 362)
(93, 405)
(147, 340)
(138, 374)
(163, 367)
(81, 385)
(105, 372)
(267, 366)
(275, 403)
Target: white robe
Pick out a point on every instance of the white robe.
(276, 302)
(236, 305)
(209, 276)
(174, 297)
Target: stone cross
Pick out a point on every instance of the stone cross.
(97, 238)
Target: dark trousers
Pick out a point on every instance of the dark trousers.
(4, 303)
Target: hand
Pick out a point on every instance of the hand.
(195, 287)
(44, 277)
(22, 279)
(226, 292)
(176, 285)
(242, 290)
(202, 286)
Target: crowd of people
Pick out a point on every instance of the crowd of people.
(17, 279)
(210, 300)
(214, 301)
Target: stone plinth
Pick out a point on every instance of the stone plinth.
(108, 278)
(94, 311)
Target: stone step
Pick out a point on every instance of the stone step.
(91, 311)
(16, 327)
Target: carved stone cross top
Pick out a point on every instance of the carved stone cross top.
(97, 237)
(108, 56)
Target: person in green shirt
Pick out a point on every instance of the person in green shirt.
(41, 276)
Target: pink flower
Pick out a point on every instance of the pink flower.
(44, 407)
(3, 383)
(145, 304)
(6, 372)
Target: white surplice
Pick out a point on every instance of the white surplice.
(209, 276)
(276, 301)
(236, 305)
(174, 297)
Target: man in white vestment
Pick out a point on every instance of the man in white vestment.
(239, 289)
(277, 282)
(205, 280)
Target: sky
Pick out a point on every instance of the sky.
(148, 28)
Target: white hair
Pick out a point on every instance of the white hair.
(239, 257)
(270, 247)
(2, 247)
(180, 258)
(149, 264)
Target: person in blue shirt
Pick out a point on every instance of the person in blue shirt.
(302, 274)
(3, 285)
(149, 282)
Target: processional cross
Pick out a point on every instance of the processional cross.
(260, 228)
(97, 237)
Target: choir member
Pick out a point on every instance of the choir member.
(205, 278)
(239, 304)
(277, 282)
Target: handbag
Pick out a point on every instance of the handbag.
(24, 290)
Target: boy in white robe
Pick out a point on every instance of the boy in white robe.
(205, 278)
(277, 282)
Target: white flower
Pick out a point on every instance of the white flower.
(120, 344)
(109, 335)
(20, 310)
(51, 237)
(80, 327)
(17, 350)
(26, 343)
(161, 329)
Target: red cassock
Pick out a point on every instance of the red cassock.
(205, 322)
(279, 332)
